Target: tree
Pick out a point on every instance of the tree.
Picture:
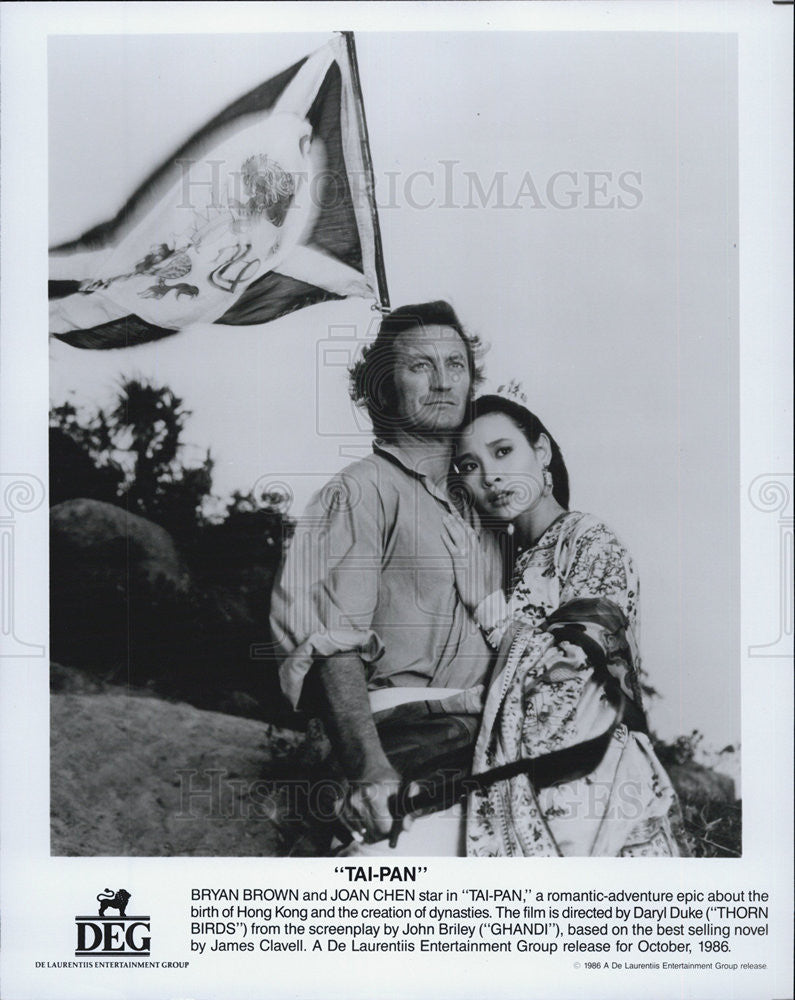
(159, 485)
(74, 472)
(132, 456)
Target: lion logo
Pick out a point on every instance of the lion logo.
(114, 901)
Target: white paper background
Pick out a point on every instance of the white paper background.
(623, 461)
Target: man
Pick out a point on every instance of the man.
(367, 598)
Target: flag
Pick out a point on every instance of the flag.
(268, 208)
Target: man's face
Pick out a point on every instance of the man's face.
(431, 378)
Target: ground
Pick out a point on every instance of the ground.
(135, 775)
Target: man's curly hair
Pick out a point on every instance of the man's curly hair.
(371, 376)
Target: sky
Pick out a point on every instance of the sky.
(574, 195)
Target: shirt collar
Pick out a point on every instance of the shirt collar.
(408, 462)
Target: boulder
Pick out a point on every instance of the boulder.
(135, 775)
(119, 591)
(126, 605)
(103, 540)
(701, 785)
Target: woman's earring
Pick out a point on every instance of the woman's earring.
(548, 482)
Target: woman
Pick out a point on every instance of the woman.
(565, 690)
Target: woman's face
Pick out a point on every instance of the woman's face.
(502, 470)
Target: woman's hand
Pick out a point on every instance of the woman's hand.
(469, 562)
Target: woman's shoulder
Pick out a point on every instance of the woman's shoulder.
(577, 523)
(579, 529)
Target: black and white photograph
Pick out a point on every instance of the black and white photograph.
(393, 497)
(295, 508)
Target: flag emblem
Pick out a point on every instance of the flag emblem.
(267, 209)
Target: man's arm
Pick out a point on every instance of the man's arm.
(328, 587)
(329, 584)
(345, 707)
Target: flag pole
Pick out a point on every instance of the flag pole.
(364, 140)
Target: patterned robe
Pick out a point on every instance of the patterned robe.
(546, 695)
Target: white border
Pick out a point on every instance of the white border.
(765, 75)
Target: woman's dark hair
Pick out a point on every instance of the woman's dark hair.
(372, 375)
(532, 428)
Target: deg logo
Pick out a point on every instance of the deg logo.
(113, 935)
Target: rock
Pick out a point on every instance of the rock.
(140, 776)
(710, 810)
(117, 587)
(72, 680)
(103, 538)
(126, 605)
(700, 785)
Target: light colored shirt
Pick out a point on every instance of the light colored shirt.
(367, 572)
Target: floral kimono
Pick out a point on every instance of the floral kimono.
(567, 672)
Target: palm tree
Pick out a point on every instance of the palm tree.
(148, 422)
